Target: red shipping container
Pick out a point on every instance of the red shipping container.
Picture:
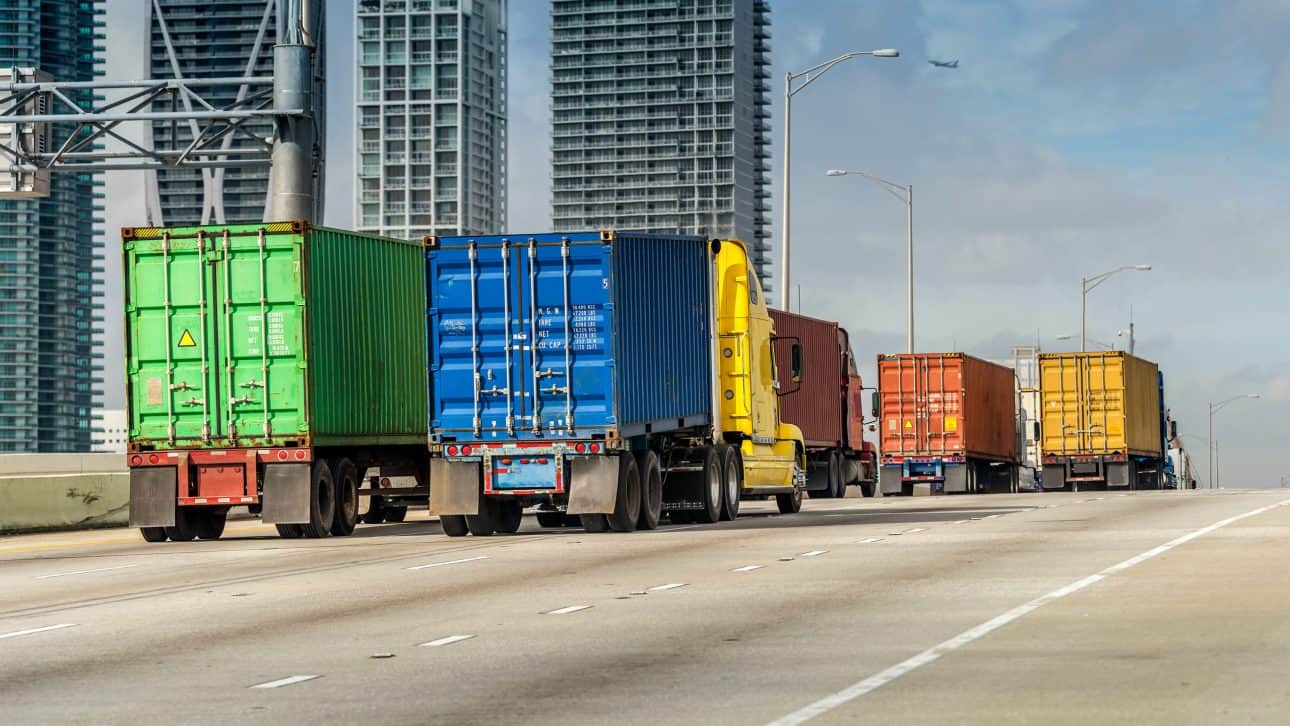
(946, 404)
(825, 403)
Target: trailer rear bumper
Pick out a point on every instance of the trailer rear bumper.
(583, 471)
(275, 478)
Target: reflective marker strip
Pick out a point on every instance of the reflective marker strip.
(813, 553)
(446, 641)
(450, 562)
(931, 655)
(84, 572)
(747, 568)
(567, 610)
(17, 633)
(285, 681)
(669, 586)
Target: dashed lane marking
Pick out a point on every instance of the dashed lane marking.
(963, 521)
(449, 640)
(84, 572)
(936, 652)
(747, 568)
(871, 540)
(449, 562)
(33, 631)
(915, 530)
(288, 681)
(813, 553)
(668, 586)
(569, 609)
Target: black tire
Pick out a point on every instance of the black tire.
(375, 510)
(627, 503)
(550, 520)
(153, 534)
(322, 502)
(184, 529)
(835, 475)
(345, 476)
(289, 531)
(709, 486)
(681, 516)
(510, 515)
(209, 523)
(789, 503)
(732, 482)
(651, 478)
(594, 522)
(396, 514)
(866, 490)
(454, 525)
(483, 524)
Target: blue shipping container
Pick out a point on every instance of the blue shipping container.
(551, 336)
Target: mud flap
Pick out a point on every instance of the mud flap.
(593, 485)
(956, 478)
(889, 479)
(454, 487)
(1054, 477)
(1117, 475)
(154, 495)
(286, 494)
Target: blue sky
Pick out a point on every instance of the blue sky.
(1074, 137)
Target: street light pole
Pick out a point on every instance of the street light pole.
(810, 74)
(1212, 452)
(1089, 283)
(896, 190)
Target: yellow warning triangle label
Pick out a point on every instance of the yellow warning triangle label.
(908, 424)
(186, 340)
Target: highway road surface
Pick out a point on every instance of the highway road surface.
(1143, 608)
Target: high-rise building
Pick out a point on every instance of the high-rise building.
(49, 257)
(661, 118)
(201, 39)
(430, 147)
(111, 431)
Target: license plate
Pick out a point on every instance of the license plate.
(511, 473)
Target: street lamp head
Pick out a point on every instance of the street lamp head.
(1251, 395)
(1065, 337)
(886, 53)
(1142, 267)
(837, 172)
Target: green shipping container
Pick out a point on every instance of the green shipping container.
(274, 334)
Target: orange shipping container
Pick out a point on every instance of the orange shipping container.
(946, 404)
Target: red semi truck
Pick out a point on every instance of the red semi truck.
(821, 392)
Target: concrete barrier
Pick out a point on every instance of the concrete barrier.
(62, 491)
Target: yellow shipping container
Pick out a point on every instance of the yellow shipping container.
(1099, 403)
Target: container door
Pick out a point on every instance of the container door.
(170, 344)
(259, 335)
(939, 386)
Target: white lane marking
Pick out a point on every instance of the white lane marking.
(813, 553)
(871, 540)
(569, 609)
(84, 572)
(991, 516)
(288, 681)
(668, 586)
(915, 530)
(747, 568)
(449, 562)
(931, 655)
(33, 631)
(963, 521)
(449, 640)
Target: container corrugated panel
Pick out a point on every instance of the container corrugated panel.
(1099, 402)
(817, 404)
(306, 335)
(546, 336)
(939, 404)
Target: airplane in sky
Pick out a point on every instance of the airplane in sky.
(945, 64)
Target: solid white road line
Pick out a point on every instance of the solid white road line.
(931, 655)
(813, 553)
(569, 609)
(288, 681)
(747, 568)
(446, 641)
(32, 631)
(669, 586)
(84, 572)
(450, 562)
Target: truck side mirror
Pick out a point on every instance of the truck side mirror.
(873, 404)
(796, 364)
(1173, 429)
(1036, 436)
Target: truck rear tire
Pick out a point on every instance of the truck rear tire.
(789, 503)
(153, 534)
(183, 530)
(627, 503)
(651, 490)
(346, 479)
(209, 523)
(395, 514)
(732, 482)
(322, 502)
(484, 523)
(453, 525)
(550, 520)
(837, 488)
(594, 522)
(710, 486)
(510, 515)
(866, 490)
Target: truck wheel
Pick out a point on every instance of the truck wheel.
(732, 483)
(153, 534)
(835, 475)
(594, 522)
(346, 517)
(395, 514)
(454, 525)
(510, 515)
(651, 490)
(710, 486)
(482, 524)
(550, 520)
(289, 531)
(627, 503)
(375, 510)
(183, 531)
(322, 502)
(209, 524)
(866, 489)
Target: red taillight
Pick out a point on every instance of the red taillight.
(465, 451)
(136, 460)
(580, 447)
(595, 448)
(282, 456)
(543, 460)
(153, 458)
(300, 455)
(385, 481)
(452, 451)
(507, 462)
(524, 461)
